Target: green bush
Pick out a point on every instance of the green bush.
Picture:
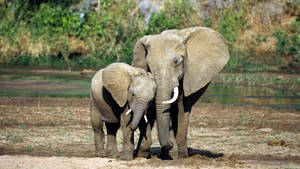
(174, 17)
(231, 23)
(288, 42)
(160, 22)
(53, 19)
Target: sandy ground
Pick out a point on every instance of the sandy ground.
(56, 133)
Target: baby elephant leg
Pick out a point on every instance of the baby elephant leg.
(97, 125)
(111, 144)
(128, 138)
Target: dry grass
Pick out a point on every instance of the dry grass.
(5, 49)
(23, 44)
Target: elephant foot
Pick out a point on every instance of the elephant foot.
(142, 153)
(127, 156)
(164, 154)
(100, 153)
(182, 153)
(112, 153)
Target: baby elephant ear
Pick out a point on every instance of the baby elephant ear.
(207, 54)
(116, 80)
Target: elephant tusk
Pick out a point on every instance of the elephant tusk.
(150, 75)
(145, 117)
(128, 112)
(176, 92)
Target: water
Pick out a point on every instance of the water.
(260, 96)
(40, 83)
(73, 84)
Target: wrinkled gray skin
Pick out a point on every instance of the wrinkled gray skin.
(187, 59)
(113, 90)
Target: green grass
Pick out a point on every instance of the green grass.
(87, 139)
(254, 79)
(14, 138)
(243, 119)
(67, 133)
(29, 148)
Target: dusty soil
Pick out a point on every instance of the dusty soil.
(56, 133)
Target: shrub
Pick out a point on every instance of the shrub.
(288, 42)
(231, 23)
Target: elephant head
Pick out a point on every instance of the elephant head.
(193, 55)
(130, 85)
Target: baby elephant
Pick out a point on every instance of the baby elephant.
(114, 90)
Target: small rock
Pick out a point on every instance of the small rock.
(202, 124)
(266, 129)
(277, 143)
(87, 71)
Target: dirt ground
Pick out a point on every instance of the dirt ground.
(56, 133)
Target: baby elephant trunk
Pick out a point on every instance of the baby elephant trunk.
(137, 115)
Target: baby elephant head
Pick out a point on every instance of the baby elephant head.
(130, 85)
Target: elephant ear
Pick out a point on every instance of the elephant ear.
(207, 53)
(140, 53)
(116, 79)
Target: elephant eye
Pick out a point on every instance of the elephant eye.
(177, 60)
(132, 93)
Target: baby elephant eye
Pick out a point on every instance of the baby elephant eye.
(132, 93)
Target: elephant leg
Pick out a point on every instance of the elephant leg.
(128, 138)
(182, 130)
(97, 125)
(174, 128)
(173, 151)
(185, 105)
(99, 140)
(111, 144)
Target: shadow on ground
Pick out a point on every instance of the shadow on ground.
(155, 151)
(46, 152)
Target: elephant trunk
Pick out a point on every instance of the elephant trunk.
(138, 114)
(163, 118)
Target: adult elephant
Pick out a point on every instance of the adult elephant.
(183, 62)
